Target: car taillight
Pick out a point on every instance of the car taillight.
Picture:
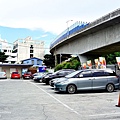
(4, 74)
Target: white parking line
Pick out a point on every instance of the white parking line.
(11, 80)
(56, 99)
(5, 112)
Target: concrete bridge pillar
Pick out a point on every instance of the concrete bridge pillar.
(82, 58)
(85, 58)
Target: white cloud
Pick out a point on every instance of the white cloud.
(51, 15)
(45, 35)
(42, 36)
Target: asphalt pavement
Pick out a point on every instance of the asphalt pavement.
(27, 100)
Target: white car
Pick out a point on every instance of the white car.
(38, 76)
(3, 75)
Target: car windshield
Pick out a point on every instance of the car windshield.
(28, 73)
(72, 74)
(59, 71)
(40, 74)
(55, 72)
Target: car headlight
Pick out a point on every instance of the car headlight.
(62, 82)
(47, 76)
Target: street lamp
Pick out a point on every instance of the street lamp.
(68, 27)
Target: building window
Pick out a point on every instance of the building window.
(31, 47)
(5, 50)
(33, 62)
(38, 62)
(31, 55)
(31, 51)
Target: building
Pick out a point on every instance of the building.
(7, 49)
(34, 61)
(28, 48)
(9, 68)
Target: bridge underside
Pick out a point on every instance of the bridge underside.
(105, 50)
(92, 54)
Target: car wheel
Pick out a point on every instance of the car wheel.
(71, 89)
(47, 83)
(110, 88)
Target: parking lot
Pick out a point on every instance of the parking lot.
(28, 100)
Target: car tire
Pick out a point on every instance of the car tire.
(47, 83)
(110, 87)
(71, 89)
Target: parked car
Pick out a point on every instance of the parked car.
(90, 79)
(27, 75)
(55, 80)
(43, 78)
(57, 74)
(37, 77)
(15, 75)
(35, 74)
(3, 75)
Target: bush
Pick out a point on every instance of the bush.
(58, 67)
(72, 64)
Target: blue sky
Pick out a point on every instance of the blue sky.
(45, 19)
(12, 34)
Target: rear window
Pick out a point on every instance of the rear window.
(2, 73)
(28, 73)
(14, 72)
(110, 73)
(99, 73)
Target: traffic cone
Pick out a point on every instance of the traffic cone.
(118, 101)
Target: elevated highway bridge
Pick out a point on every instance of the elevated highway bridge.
(95, 39)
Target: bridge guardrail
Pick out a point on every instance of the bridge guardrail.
(82, 27)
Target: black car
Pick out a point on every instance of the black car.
(57, 74)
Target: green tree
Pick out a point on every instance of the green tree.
(73, 63)
(111, 58)
(3, 57)
(49, 60)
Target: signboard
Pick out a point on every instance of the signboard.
(84, 66)
(42, 69)
(118, 61)
(96, 63)
(89, 63)
(102, 62)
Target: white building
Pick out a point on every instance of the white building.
(28, 48)
(7, 49)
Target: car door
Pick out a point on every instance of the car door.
(85, 81)
(100, 80)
